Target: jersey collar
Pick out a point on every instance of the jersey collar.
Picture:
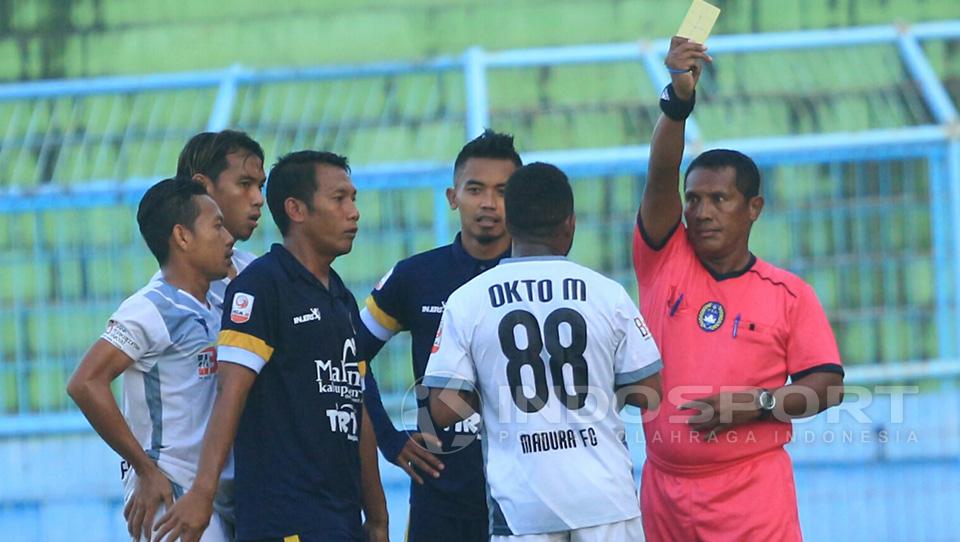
(534, 259)
(466, 260)
(732, 274)
(295, 270)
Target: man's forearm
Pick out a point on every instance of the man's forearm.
(373, 407)
(98, 405)
(234, 383)
(448, 406)
(809, 395)
(666, 154)
(374, 500)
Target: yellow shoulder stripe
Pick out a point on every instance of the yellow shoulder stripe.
(229, 337)
(382, 317)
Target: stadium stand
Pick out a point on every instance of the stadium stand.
(870, 231)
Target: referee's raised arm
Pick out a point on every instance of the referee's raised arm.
(660, 207)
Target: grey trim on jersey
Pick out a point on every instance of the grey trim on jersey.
(625, 379)
(151, 389)
(166, 298)
(241, 259)
(448, 383)
(533, 259)
(498, 523)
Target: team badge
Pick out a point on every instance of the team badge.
(384, 280)
(242, 308)
(711, 316)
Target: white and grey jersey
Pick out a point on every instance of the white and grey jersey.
(241, 259)
(545, 343)
(169, 390)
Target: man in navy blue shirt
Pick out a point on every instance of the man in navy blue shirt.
(448, 500)
(291, 382)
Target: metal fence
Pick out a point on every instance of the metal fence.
(856, 131)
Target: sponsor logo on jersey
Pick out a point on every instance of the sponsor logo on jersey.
(119, 336)
(203, 324)
(711, 316)
(469, 425)
(343, 377)
(312, 316)
(343, 419)
(242, 308)
(207, 362)
(433, 309)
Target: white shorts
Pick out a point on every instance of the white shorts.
(218, 530)
(630, 530)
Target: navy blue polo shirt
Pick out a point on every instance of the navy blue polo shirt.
(297, 447)
(411, 298)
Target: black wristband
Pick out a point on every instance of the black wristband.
(674, 107)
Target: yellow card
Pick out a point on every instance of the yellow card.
(699, 21)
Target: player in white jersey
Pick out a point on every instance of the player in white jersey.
(548, 350)
(162, 339)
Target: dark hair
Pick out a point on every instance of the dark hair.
(489, 144)
(295, 176)
(207, 152)
(163, 206)
(747, 174)
(538, 198)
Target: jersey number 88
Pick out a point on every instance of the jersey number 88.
(560, 356)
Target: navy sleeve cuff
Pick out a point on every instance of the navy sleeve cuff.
(649, 242)
(824, 368)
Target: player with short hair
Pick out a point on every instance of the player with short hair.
(229, 164)
(162, 340)
(291, 384)
(550, 350)
(447, 502)
(726, 322)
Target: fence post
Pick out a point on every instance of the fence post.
(475, 80)
(226, 96)
(945, 186)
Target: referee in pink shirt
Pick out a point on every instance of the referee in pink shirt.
(732, 330)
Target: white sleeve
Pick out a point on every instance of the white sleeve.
(637, 356)
(450, 365)
(137, 329)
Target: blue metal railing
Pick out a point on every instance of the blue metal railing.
(935, 143)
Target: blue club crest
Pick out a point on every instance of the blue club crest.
(711, 316)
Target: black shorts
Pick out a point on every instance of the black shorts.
(428, 526)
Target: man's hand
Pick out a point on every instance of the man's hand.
(375, 531)
(723, 411)
(152, 489)
(416, 454)
(686, 55)
(186, 519)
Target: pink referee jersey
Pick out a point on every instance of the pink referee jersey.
(753, 328)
